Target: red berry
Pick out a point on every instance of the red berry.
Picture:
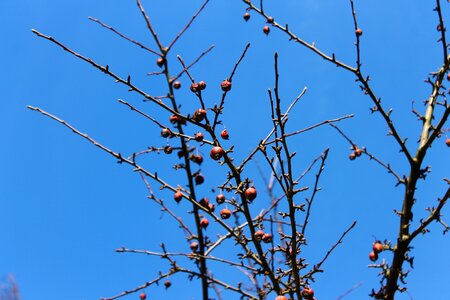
(180, 154)
(447, 142)
(267, 238)
(198, 159)
(448, 76)
(201, 85)
(226, 85)
(166, 132)
(211, 207)
(199, 179)
(250, 193)
(225, 213)
(270, 20)
(176, 85)
(178, 196)
(199, 115)
(439, 27)
(308, 293)
(377, 247)
(204, 223)
(167, 284)
(220, 198)
(143, 296)
(199, 137)
(358, 152)
(217, 153)
(204, 202)
(224, 134)
(246, 16)
(373, 256)
(352, 156)
(160, 61)
(281, 297)
(266, 29)
(194, 87)
(259, 234)
(174, 119)
(358, 31)
(168, 149)
(193, 246)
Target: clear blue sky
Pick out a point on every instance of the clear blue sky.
(65, 205)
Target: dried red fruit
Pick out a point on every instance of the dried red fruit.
(373, 256)
(226, 85)
(166, 132)
(358, 152)
(217, 153)
(204, 202)
(267, 238)
(201, 85)
(199, 179)
(193, 246)
(199, 115)
(168, 149)
(176, 85)
(266, 30)
(259, 234)
(199, 137)
(160, 61)
(270, 20)
(225, 213)
(224, 134)
(178, 196)
(198, 159)
(246, 16)
(167, 284)
(204, 223)
(220, 198)
(194, 87)
(358, 31)
(250, 193)
(377, 247)
(447, 142)
(308, 293)
(143, 296)
(352, 156)
(174, 119)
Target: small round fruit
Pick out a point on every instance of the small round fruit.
(193, 246)
(143, 296)
(180, 154)
(358, 31)
(447, 142)
(174, 119)
(226, 85)
(178, 196)
(176, 85)
(204, 223)
(246, 16)
(250, 193)
(199, 179)
(201, 85)
(199, 115)
(439, 27)
(373, 256)
(448, 76)
(199, 137)
(160, 61)
(194, 87)
(224, 134)
(377, 247)
(352, 156)
(308, 293)
(259, 234)
(281, 297)
(217, 153)
(167, 284)
(266, 30)
(168, 149)
(211, 207)
(270, 20)
(267, 238)
(204, 202)
(225, 213)
(358, 152)
(220, 198)
(165, 132)
(198, 159)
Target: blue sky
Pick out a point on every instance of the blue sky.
(65, 205)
